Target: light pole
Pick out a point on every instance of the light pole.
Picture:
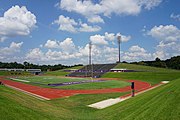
(90, 61)
(119, 42)
(90, 47)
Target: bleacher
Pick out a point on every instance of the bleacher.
(98, 70)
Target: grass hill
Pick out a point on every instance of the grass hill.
(152, 75)
(61, 72)
(161, 103)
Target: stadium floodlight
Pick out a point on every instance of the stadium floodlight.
(90, 61)
(90, 47)
(119, 42)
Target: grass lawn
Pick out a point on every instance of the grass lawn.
(56, 73)
(61, 72)
(22, 106)
(152, 75)
(97, 85)
(51, 79)
(160, 103)
(93, 85)
(143, 68)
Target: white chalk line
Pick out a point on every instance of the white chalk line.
(19, 80)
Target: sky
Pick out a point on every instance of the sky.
(59, 31)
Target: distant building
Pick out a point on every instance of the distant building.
(121, 70)
(117, 70)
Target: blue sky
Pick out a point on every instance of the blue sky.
(58, 31)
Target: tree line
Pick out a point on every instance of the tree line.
(172, 63)
(27, 65)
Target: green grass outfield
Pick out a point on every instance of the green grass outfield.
(159, 104)
(152, 75)
(53, 79)
(97, 85)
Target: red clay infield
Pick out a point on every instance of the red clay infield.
(51, 93)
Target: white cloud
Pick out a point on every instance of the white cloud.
(70, 25)
(95, 19)
(110, 36)
(169, 37)
(51, 44)
(35, 55)
(98, 40)
(77, 55)
(67, 45)
(160, 54)
(13, 48)
(86, 8)
(66, 52)
(17, 21)
(165, 33)
(58, 55)
(123, 37)
(136, 48)
(66, 24)
(176, 17)
(100, 54)
(149, 4)
(2, 38)
(136, 53)
(107, 7)
(84, 51)
(119, 7)
(86, 28)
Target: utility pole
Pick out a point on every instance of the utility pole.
(119, 42)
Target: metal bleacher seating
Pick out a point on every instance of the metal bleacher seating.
(94, 70)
